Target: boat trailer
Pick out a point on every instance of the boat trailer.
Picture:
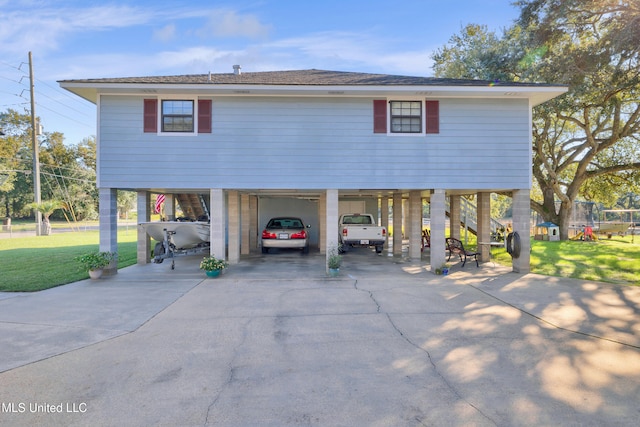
(167, 250)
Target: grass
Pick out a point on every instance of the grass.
(30, 264)
(615, 260)
(34, 263)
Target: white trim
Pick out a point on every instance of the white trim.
(423, 124)
(177, 98)
(98, 127)
(537, 94)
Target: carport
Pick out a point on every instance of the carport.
(237, 217)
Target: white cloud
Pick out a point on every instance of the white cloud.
(227, 23)
(43, 28)
(165, 34)
(355, 51)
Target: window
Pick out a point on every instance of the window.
(406, 116)
(177, 116)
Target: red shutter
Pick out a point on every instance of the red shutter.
(432, 116)
(204, 116)
(151, 115)
(379, 116)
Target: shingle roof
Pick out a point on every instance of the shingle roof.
(301, 77)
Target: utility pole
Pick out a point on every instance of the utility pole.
(36, 157)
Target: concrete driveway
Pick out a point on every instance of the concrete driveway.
(273, 342)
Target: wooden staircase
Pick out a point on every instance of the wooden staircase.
(193, 205)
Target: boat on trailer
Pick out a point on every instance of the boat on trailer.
(175, 238)
(611, 228)
(183, 234)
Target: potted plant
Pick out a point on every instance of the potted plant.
(212, 266)
(334, 262)
(95, 262)
(443, 270)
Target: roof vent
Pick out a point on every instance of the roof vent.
(236, 70)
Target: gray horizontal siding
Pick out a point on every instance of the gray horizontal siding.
(316, 143)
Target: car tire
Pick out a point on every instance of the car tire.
(305, 250)
(378, 249)
(265, 250)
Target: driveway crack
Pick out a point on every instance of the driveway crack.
(231, 374)
(423, 350)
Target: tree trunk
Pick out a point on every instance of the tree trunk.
(45, 227)
(564, 219)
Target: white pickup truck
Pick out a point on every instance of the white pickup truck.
(360, 230)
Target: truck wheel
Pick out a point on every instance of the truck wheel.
(378, 249)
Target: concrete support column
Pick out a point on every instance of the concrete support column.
(415, 219)
(484, 225)
(397, 223)
(438, 222)
(253, 226)
(454, 217)
(406, 222)
(218, 223)
(170, 207)
(144, 215)
(322, 223)
(108, 213)
(331, 229)
(384, 217)
(233, 208)
(521, 209)
(245, 224)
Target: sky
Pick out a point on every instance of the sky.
(80, 39)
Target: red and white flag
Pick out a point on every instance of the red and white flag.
(159, 202)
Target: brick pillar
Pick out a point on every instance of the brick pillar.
(415, 218)
(144, 215)
(438, 221)
(484, 225)
(384, 217)
(108, 213)
(331, 232)
(521, 225)
(170, 207)
(322, 223)
(397, 223)
(245, 224)
(218, 223)
(454, 217)
(253, 225)
(406, 221)
(233, 208)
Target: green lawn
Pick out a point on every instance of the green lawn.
(36, 263)
(615, 260)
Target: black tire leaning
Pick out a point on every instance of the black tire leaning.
(514, 245)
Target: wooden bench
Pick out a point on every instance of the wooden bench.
(455, 246)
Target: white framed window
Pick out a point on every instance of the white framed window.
(412, 117)
(406, 116)
(177, 115)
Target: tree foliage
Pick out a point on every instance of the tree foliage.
(585, 143)
(67, 171)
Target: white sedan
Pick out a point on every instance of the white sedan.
(285, 232)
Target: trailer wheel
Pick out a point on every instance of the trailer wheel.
(158, 253)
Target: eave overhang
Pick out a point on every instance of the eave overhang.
(537, 94)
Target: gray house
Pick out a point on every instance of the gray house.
(313, 143)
